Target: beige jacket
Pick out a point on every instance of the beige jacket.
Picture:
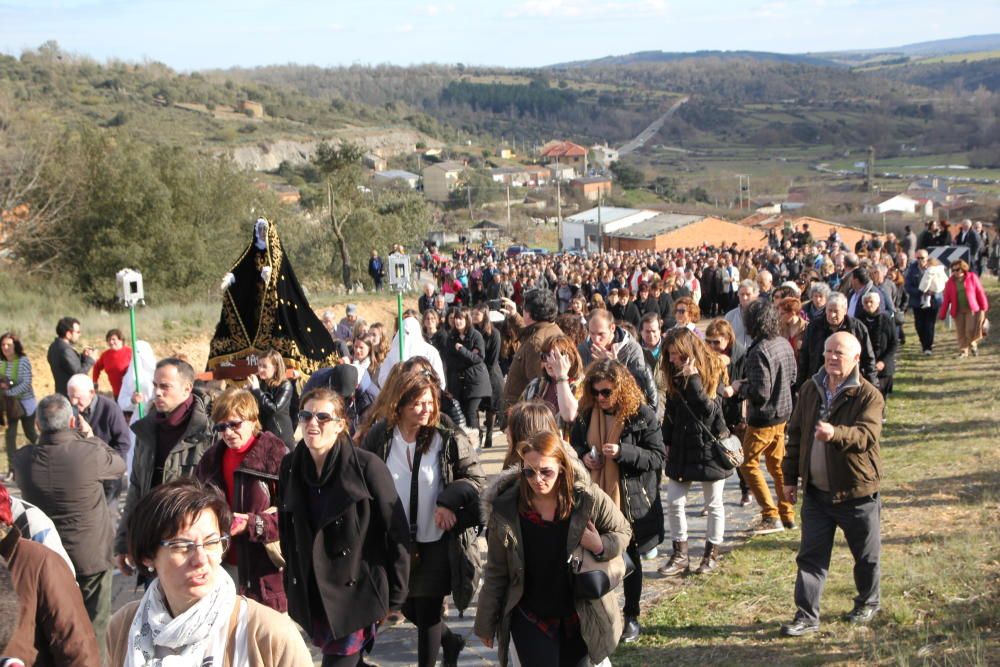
(273, 640)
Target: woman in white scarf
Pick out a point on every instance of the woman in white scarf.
(190, 615)
(414, 345)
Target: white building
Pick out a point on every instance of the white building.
(903, 204)
(384, 178)
(603, 156)
(583, 230)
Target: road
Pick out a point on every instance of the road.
(650, 131)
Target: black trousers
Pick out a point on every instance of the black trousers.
(924, 320)
(537, 649)
(425, 613)
(860, 520)
(470, 408)
(632, 585)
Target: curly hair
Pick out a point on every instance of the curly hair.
(708, 364)
(761, 320)
(626, 396)
(570, 325)
(694, 312)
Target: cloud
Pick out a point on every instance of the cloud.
(403, 28)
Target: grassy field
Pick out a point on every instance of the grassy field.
(940, 542)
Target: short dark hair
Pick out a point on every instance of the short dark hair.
(761, 320)
(650, 317)
(541, 305)
(167, 509)
(862, 275)
(183, 368)
(117, 333)
(65, 325)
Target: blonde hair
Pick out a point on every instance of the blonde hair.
(238, 403)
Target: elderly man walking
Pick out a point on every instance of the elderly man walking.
(833, 449)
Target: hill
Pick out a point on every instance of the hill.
(939, 47)
(669, 57)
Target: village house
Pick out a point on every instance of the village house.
(603, 156)
(902, 203)
(583, 230)
(591, 188)
(565, 153)
(440, 179)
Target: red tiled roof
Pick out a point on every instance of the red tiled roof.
(564, 149)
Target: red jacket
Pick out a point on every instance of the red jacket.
(973, 291)
(255, 490)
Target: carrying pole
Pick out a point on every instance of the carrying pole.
(399, 312)
(135, 358)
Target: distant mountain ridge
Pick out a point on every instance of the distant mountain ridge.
(675, 56)
(941, 47)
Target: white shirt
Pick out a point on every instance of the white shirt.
(429, 482)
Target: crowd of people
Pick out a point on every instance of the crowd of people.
(355, 497)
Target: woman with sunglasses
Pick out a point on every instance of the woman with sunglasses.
(191, 613)
(243, 465)
(686, 314)
(538, 512)
(438, 478)
(692, 419)
(343, 534)
(617, 437)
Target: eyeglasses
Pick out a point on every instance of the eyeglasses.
(545, 474)
(222, 427)
(215, 547)
(603, 393)
(321, 417)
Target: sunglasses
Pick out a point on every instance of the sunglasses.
(544, 474)
(681, 311)
(321, 417)
(719, 342)
(222, 427)
(603, 393)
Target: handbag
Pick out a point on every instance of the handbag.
(592, 578)
(728, 448)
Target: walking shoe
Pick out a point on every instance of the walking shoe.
(798, 627)
(767, 526)
(861, 614)
(709, 560)
(975, 350)
(789, 524)
(631, 630)
(451, 645)
(651, 554)
(745, 499)
(928, 352)
(963, 354)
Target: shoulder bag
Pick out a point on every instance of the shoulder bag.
(728, 448)
(592, 578)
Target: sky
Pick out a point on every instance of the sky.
(189, 35)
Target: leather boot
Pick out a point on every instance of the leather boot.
(679, 564)
(491, 418)
(709, 560)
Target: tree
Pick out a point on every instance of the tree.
(341, 168)
(627, 176)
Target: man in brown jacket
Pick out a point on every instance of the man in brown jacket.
(63, 476)
(833, 448)
(540, 311)
(53, 628)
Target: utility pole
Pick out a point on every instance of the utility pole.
(559, 204)
(600, 227)
(744, 190)
(508, 209)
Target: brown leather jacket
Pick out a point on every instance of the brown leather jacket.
(54, 628)
(853, 461)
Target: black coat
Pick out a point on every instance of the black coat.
(640, 462)
(465, 368)
(492, 361)
(732, 408)
(353, 555)
(691, 454)
(882, 332)
(275, 411)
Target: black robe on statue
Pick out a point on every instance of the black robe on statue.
(264, 309)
